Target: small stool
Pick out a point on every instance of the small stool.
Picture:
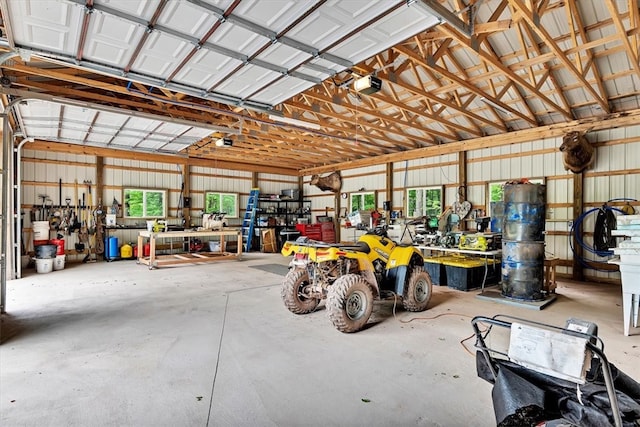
(550, 274)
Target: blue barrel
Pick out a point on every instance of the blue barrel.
(523, 270)
(111, 247)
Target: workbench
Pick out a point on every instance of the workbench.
(156, 261)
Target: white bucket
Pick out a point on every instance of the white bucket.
(44, 265)
(58, 263)
(40, 230)
(214, 246)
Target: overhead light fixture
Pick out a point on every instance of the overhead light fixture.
(494, 105)
(292, 121)
(367, 85)
(224, 142)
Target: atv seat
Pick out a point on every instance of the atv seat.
(358, 247)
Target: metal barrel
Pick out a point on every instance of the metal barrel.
(523, 241)
(524, 221)
(523, 270)
(524, 212)
(524, 193)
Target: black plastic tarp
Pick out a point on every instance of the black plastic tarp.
(524, 397)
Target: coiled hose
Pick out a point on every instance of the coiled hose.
(603, 240)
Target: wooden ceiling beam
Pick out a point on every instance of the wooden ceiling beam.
(634, 23)
(470, 116)
(611, 120)
(549, 73)
(534, 22)
(573, 11)
(405, 108)
(460, 81)
(60, 147)
(632, 54)
(495, 62)
(315, 147)
(341, 118)
(111, 88)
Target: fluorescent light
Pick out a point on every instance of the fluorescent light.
(494, 105)
(293, 121)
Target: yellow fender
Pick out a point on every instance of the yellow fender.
(398, 265)
(401, 256)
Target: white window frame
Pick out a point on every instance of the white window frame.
(234, 214)
(362, 195)
(165, 202)
(423, 209)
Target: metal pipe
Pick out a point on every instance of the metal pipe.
(18, 151)
(6, 153)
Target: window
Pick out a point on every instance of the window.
(221, 202)
(141, 203)
(363, 201)
(496, 191)
(426, 201)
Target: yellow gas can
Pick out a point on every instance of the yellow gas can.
(126, 251)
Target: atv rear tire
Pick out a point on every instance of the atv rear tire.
(350, 303)
(293, 295)
(417, 292)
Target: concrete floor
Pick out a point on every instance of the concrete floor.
(114, 344)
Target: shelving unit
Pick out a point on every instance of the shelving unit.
(285, 212)
(280, 214)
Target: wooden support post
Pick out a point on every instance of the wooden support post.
(578, 200)
(99, 181)
(462, 169)
(389, 184)
(186, 194)
(254, 180)
(462, 184)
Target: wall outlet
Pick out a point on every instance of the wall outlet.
(570, 224)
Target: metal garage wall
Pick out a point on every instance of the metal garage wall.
(616, 174)
(41, 172)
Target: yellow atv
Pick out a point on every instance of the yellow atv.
(349, 277)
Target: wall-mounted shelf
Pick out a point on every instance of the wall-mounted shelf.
(283, 212)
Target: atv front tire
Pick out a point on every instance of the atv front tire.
(292, 292)
(349, 303)
(417, 292)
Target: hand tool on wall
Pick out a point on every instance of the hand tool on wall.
(75, 222)
(82, 232)
(42, 215)
(99, 221)
(91, 230)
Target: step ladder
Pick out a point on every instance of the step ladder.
(249, 219)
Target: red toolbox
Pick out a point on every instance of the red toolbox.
(328, 232)
(312, 231)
